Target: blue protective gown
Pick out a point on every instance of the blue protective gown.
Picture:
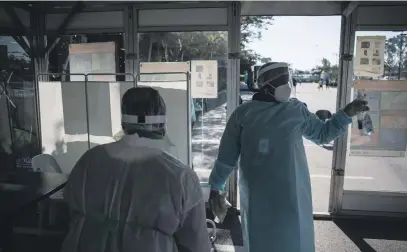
(275, 187)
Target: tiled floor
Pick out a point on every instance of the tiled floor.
(344, 235)
(330, 236)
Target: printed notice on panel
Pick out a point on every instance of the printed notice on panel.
(369, 58)
(93, 58)
(204, 79)
(388, 112)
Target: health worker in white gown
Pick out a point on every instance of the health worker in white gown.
(133, 195)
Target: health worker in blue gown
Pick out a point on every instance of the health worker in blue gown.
(275, 189)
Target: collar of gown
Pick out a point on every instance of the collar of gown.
(261, 96)
(136, 141)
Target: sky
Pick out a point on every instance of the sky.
(303, 41)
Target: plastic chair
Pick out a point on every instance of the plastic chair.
(47, 163)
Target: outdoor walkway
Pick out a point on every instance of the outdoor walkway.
(362, 173)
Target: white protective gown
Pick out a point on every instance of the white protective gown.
(126, 197)
(275, 187)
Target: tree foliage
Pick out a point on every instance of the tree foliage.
(395, 54)
(326, 66)
(184, 46)
(251, 30)
(265, 60)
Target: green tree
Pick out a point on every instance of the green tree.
(395, 54)
(182, 46)
(335, 72)
(265, 60)
(325, 65)
(251, 29)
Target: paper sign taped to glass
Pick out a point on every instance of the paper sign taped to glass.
(369, 58)
(204, 79)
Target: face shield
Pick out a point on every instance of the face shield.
(275, 79)
(144, 113)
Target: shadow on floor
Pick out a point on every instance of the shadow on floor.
(391, 231)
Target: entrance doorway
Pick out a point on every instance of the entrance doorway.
(311, 46)
(208, 115)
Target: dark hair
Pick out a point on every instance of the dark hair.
(143, 101)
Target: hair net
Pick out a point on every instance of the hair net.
(143, 112)
(273, 74)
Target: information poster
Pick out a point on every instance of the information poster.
(369, 59)
(93, 58)
(388, 112)
(204, 78)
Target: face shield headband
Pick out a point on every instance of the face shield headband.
(147, 123)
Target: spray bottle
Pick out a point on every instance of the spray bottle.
(365, 124)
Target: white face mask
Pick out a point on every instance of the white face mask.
(281, 93)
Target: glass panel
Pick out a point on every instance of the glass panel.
(377, 161)
(64, 129)
(208, 115)
(64, 117)
(18, 127)
(59, 60)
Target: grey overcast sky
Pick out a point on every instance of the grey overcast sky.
(304, 41)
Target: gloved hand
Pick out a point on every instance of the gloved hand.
(219, 205)
(356, 107)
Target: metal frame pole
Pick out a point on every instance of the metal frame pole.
(343, 97)
(233, 70)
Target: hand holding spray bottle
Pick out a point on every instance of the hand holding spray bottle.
(365, 124)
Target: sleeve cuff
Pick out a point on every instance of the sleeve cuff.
(343, 118)
(219, 176)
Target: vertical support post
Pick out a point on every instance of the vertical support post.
(39, 59)
(128, 39)
(135, 41)
(131, 41)
(233, 72)
(343, 97)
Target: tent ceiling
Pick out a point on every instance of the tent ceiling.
(373, 14)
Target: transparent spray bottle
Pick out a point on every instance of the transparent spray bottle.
(365, 124)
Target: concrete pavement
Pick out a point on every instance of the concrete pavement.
(362, 173)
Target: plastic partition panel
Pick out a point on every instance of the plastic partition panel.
(63, 122)
(183, 17)
(175, 95)
(104, 112)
